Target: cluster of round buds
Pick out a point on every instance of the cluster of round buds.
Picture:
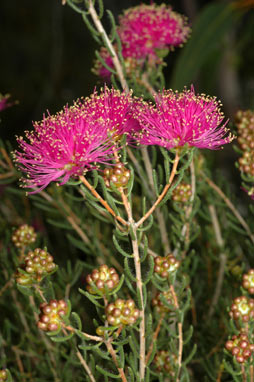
(158, 303)
(38, 264)
(122, 312)
(165, 266)
(182, 193)
(248, 281)
(23, 236)
(246, 162)
(240, 347)
(245, 127)
(165, 361)
(50, 318)
(117, 174)
(242, 308)
(102, 278)
(3, 375)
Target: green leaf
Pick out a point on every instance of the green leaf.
(62, 339)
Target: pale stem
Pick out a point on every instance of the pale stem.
(223, 260)
(73, 330)
(230, 205)
(39, 291)
(158, 212)
(155, 335)
(85, 366)
(144, 81)
(115, 59)
(139, 170)
(186, 228)
(138, 282)
(244, 377)
(164, 192)
(180, 332)
(251, 373)
(101, 200)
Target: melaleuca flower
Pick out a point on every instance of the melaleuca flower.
(147, 32)
(183, 118)
(113, 109)
(145, 29)
(75, 140)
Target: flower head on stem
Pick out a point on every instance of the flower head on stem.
(183, 118)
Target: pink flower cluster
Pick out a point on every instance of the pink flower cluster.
(183, 118)
(4, 102)
(74, 140)
(86, 134)
(144, 31)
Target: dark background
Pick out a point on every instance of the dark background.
(47, 54)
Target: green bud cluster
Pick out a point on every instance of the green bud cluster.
(38, 264)
(50, 318)
(103, 278)
(240, 347)
(3, 375)
(165, 361)
(182, 193)
(23, 236)
(117, 174)
(122, 312)
(242, 308)
(165, 266)
(248, 281)
(159, 305)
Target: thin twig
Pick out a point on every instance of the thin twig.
(144, 81)
(115, 59)
(139, 283)
(7, 285)
(251, 373)
(244, 377)
(113, 355)
(186, 228)
(101, 200)
(180, 333)
(86, 367)
(164, 192)
(158, 212)
(223, 260)
(73, 330)
(231, 206)
(155, 335)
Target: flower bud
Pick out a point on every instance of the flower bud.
(50, 318)
(23, 236)
(102, 278)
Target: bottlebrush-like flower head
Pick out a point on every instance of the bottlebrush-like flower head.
(183, 118)
(74, 140)
(144, 31)
(113, 109)
(147, 28)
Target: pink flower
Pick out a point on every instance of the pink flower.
(144, 31)
(115, 110)
(183, 118)
(147, 28)
(72, 142)
(4, 104)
